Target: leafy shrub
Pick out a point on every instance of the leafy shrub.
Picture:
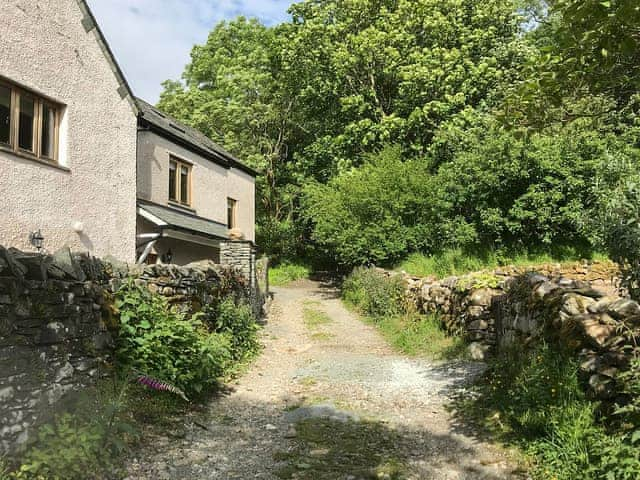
(280, 238)
(377, 213)
(163, 343)
(92, 439)
(237, 323)
(286, 273)
(67, 449)
(374, 294)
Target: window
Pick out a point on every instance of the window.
(28, 124)
(5, 115)
(179, 182)
(232, 213)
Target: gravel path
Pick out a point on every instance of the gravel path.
(329, 401)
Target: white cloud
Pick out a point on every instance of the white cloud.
(152, 39)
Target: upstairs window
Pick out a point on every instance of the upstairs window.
(5, 115)
(232, 213)
(29, 124)
(179, 182)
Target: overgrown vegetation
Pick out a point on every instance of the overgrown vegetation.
(170, 351)
(385, 128)
(535, 399)
(381, 300)
(462, 261)
(161, 342)
(285, 273)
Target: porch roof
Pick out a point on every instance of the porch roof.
(167, 218)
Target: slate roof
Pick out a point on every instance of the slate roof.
(187, 222)
(189, 137)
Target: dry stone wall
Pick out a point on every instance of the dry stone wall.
(55, 318)
(581, 305)
(53, 337)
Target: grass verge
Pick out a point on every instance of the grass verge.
(420, 336)
(381, 301)
(459, 261)
(286, 273)
(533, 399)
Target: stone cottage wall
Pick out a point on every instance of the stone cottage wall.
(54, 325)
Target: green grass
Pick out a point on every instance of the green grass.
(533, 399)
(286, 273)
(420, 336)
(314, 319)
(328, 450)
(381, 302)
(458, 261)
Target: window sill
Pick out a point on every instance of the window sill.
(181, 206)
(33, 158)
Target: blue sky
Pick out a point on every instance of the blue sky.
(152, 39)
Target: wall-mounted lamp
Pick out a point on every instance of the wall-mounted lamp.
(168, 257)
(36, 239)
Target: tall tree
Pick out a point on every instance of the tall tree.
(375, 72)
(588, 64)
(232, 92)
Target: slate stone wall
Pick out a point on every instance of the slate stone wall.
(53, 337)
(55, 319)
(582, 305)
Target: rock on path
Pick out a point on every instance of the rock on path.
(328, 402)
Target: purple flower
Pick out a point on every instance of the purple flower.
(160, 386)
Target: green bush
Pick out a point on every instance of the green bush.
(483, 190)
(237, 323)
(91, 439)
(618, 221)
(158, 341)
(280, 238)
(378, 212)
(374, 294)
(67, 450)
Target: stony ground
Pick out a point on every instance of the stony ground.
(328, 399)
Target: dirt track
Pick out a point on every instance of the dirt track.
(329, 401)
